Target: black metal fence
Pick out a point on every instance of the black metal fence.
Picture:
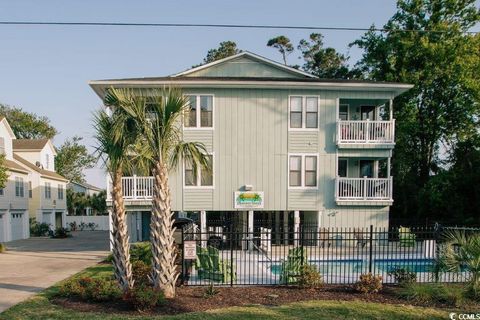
(275, 256)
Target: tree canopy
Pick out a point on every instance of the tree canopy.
(283, 45)
(72, 158)
(225, 49)
(3, 172)
(441, 112)
(27, 125)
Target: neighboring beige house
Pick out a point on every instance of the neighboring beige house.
(47, 189)
(14, 197)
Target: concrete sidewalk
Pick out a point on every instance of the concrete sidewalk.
(34, 264)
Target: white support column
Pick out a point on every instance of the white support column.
(250, 230)
(285, 228)
(296, 227)
(110, 228)
(203, 228)
(390, 109)
(277, 227)
(388, 167)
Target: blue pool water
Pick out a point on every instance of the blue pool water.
(359, 266)
(412, 265)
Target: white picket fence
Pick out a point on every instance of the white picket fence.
(100, 221)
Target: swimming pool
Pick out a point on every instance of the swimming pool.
(412, 265)
(346, 266)
(329, 266)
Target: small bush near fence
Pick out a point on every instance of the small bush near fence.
(309, 277)
(60, 233)
(82, 226)
(428, 293)
(369, 283)
(403, 276)
(38, 229)
(3, 248)
(141, 273)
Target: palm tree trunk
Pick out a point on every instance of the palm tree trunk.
(164, 273)
(120, 244)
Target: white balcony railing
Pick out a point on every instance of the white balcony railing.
(365, 131)
(370, 189)
(134, 188)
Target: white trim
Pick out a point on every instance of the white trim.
(248, 54)
(396, 89)
(302, 177)
(199, 113)
(199, 186)
(304, 112)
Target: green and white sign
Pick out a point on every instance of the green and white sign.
(248, 199)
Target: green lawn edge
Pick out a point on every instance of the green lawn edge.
(39, 308)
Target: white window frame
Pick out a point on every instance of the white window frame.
(304, 112)
(20, 181)
(199, 181)
(199, 112)
(49, 185)
(60, 188)
(302, 178)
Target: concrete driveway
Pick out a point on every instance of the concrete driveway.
(34, 264)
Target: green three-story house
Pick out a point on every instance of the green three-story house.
(288, 149)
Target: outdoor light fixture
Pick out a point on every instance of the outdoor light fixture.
(248, 187)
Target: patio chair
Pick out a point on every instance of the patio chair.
(210, 266)
(406, 237)
(292, 267)
(324, 238)
(358, 235)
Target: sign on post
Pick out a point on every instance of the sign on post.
(189, 250)
(248, 200)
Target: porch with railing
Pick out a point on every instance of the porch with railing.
(365, 132)
(363, 189)
(134, 188)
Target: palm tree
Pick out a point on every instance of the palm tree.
(461, 252)
(158, 114)
(115, 135)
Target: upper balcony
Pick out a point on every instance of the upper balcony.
(365, 124)
(135, 189)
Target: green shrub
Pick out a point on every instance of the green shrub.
(309, 276)
(369, 283)
(3, 248)
(141, 251)
(90, 289)
(143, 298)
(425, 293)
(210, 291)
(141, 273)
(38, 229)
(403, 276)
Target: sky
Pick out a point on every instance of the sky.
(46, 69)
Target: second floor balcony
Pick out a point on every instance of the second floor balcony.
(366, 190)
(365, 132)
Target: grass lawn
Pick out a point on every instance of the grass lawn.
(39, 307)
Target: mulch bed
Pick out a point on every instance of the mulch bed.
(192, 299)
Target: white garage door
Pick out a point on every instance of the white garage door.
(17, 226)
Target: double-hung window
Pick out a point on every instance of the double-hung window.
(303, 112)
(200, 114)
(19, 187)
(60, 192)
(201, 178)
(303, 171)
(48, 190)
